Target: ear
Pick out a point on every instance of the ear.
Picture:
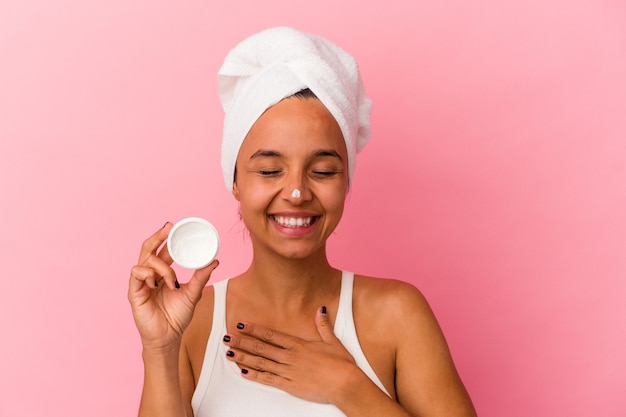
(236, 191)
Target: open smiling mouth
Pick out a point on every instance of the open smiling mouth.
(294, 222)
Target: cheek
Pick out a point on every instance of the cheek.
(253, 201)
(248, 214)
(335, 201)
(250, 200)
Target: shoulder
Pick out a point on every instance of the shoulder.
(398, 313)
(397, 299)
(426, 380)
(384, 311)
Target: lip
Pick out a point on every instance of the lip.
(296, 214)
(294, 230)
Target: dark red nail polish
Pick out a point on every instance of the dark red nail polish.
(230, 353)
(176, 284)
(244, 371)
(323, 309)
(226, 338)
(240, 326)
(156, 284)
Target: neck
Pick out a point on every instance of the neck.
(291, 284)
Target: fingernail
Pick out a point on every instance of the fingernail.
(240, 326)
(156, 284)
(230, 353)
(323, 309)
(244, 371)
(176, 284)
(226, 338)
(164, 225)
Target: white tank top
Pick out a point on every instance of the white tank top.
(223, 392)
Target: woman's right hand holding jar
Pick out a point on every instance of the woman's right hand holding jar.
(163, 308)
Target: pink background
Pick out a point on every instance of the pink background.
(495, 182)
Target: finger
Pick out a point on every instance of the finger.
(265, 378)
(258, 363)
(153, 243)
(140, 276)
(162, 270)
(268, 335)
(164, 254)
(324, 326)
(255, 347)
(199, 280)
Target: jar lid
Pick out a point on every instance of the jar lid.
(193, 243)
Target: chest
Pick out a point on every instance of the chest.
(368, 336)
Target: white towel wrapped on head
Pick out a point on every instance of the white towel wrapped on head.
(277, 63)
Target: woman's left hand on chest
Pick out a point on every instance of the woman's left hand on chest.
(311, 370)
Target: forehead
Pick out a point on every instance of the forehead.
(295, 125)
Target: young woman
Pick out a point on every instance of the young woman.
(291, 335)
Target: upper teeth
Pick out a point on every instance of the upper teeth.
(293, 221)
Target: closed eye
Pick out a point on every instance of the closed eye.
(325, 173)
(268, 173)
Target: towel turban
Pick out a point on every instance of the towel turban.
(277, 63)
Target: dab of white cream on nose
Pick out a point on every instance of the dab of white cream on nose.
(295, 193)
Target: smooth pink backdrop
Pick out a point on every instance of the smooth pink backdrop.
(494, 181)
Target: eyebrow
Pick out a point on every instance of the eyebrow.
(328, 152)
(267, 153)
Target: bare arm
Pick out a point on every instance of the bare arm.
(162, 395)
(427, 382)
(162, 309)
(396, 318)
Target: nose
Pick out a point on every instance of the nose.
(296, 191)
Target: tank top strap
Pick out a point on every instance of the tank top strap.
(344, 309)
(219, 305)
(345, 329)
(218, 328)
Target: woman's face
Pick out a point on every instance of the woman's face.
(295, 144)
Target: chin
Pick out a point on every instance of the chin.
(295, 253)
